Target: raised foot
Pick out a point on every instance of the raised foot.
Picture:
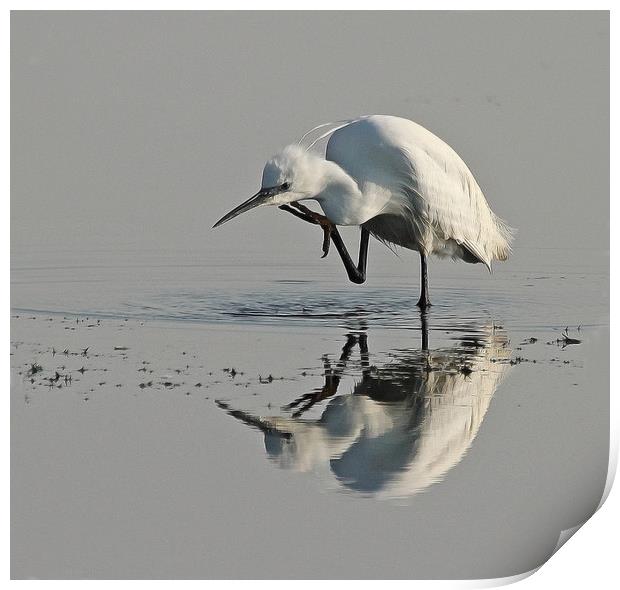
(327, 227)
(310, 216)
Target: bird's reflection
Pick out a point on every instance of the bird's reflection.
(404, 425)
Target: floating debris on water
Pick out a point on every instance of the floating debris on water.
(35, 368)
(566, 339)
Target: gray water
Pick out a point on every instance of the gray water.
(319, 425)
(223, 403)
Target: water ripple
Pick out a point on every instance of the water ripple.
(292, 305)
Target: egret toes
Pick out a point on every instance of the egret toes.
(315, 218)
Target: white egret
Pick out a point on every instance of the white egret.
(398, 182)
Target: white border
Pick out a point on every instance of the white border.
(589, 557)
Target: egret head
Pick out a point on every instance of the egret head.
(288, 176)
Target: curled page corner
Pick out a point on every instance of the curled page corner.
(565, 535)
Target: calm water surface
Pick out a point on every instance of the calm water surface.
(231, 413)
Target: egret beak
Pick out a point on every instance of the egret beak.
(262, 197)
(263, 425)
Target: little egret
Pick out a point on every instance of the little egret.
(398, 182)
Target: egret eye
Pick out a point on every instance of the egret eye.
(285, 186)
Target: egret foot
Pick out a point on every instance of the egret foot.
(326, 225)
(310, 216)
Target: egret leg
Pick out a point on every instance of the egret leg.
(424, 329)
(356, 274)
(424, 301)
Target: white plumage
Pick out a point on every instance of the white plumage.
(394, 179)
(434, 204)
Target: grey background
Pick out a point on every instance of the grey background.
(132, 133)
(141, 129)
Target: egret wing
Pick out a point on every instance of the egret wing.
(429, 183)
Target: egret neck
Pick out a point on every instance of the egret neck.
(342, 200)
